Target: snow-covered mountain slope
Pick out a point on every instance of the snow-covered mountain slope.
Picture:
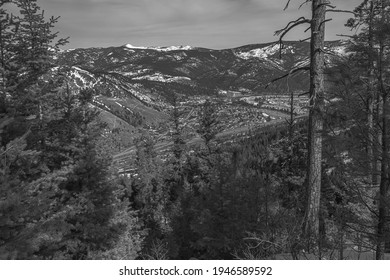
(162, 49)
(266, 51)
(151, 76)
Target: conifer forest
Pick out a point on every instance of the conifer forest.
(266, 151)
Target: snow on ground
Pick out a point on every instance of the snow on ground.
(161, 49)
(277, 63)
(174, 48)
(161, 78)
(264, 52)
(130, 46)
(302, 63)
(80, 74)
(101, 104)
(340, 50)
(119, 104)
(345, 157)
(131, 73)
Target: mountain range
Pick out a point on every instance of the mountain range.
(153, 74)
(136, 85)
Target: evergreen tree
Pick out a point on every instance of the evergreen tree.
(59, 197)
(149, 193)
(317, 23)
(317, 91)
(370, 46)
(208, 123)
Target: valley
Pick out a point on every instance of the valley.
(136, 88)
(238, 118)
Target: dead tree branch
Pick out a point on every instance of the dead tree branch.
(288, 3)
(323, 22)
(326, 5)
(340, 11)
(306, 68)
(291, 25)
(307, 1)
(282, 32)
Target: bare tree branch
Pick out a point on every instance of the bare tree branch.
(323, 22)
(292, 24)
(326, 5)
(340, 11)
(328, 53)
(343, 35)
(307, 1)
(305, 68)
(282, 32)
(288, 2)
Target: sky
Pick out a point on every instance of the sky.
(215, 24)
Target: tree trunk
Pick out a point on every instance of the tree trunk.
(384, 179)
(371, 99)
(291, 128)
(311, 222)
(3, 86)
(341, 243)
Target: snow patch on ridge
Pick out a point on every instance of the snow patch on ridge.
(161, 49)
(161, 78)
(264, 52)
(302, 63)
(174, 48)
(130, 46)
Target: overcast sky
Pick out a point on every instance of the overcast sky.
(214, 24)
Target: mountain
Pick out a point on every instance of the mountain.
(153, 74)
(137, 84)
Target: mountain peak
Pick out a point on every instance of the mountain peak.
(130, 46)
(161, 49)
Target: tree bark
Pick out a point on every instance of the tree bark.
(384, 179)
(311, 222)
(371, 99)
(291, 128)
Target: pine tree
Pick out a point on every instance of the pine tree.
(316, 110)
(150, 194)
(59, 196)
(6, 35)
(316, 97)
(382, 33)
(33, 46)
(208, 123)
(361, 116)
(371, 44)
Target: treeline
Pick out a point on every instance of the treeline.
(58, 199)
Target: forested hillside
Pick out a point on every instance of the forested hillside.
(265, 151)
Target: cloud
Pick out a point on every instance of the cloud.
(208, 23)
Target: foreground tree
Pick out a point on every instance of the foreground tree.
(382, 33)
(370, 47)
(59, 198)
(317, 22)
(317, 90)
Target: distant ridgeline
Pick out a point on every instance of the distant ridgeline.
(153, 75)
